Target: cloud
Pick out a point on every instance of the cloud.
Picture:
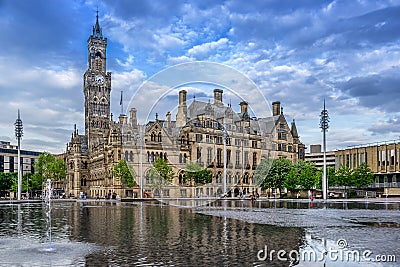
(203, 50)
(389, 126)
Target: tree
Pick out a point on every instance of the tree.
(198, 174)
(124, 173)
(308, 175)
(49, 167)
(344, 176)
(160, 174)
(362, 176)
(272, 174)
(8, 180)
(292, 181)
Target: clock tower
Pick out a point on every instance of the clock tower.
(97, 90)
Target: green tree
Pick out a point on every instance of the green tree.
(362, 176)
(343, 176)
(292, 181)
(8, 181)
(308, 175)
(49, 167)
(272, 174)
(124, 173)
(332, 179)
(160, 174)
(198, 174)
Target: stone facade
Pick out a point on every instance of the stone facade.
(196, 135)
(382, 158)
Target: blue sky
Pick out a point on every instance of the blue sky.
(297, 52)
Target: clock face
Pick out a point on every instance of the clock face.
(99, 79)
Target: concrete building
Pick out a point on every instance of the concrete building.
(317, 156)
(382, 158)
(196, 135)
(9, 158)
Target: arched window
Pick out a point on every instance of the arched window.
(131, 156)
(152, 157)
(184, 158)
(165, 155)
(159, 137)
(180, 158)
(126, 155)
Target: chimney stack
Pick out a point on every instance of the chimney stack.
(133, 117)
(181, 115)
(182, 98)
(243, 107)
(218, 97)
(276, 108)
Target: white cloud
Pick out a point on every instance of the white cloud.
(203, 50)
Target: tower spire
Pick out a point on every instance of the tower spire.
(97, 28)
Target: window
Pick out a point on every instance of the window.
(246, 158)
(209, 155)
(126, 155)
(263, 145)
(237, 162)
(159, 137)
(199, 138)
(246, 143)
(199, 154)
(219, 157)
(282, 136)
(254, 159)
(237, 142)
(254, 144)
(228, 156)
(392, 157)
(131, 156)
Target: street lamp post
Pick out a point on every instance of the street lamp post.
(324, 126)
(18, 134)
(140, 139)
(225, 136)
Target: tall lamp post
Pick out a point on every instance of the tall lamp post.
(225, 137)
(324, 126)
(18, 134)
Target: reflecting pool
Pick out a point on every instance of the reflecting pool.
(222, 233)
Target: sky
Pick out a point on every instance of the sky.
(295, 52)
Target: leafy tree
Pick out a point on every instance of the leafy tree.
(198, 174)
(8, 180)
(362, 176)
(308, 175)
(160, 174)
(124, 173)
(343, 176)
(163, 170)
(48, 166)
(272, 175)
(292, 181)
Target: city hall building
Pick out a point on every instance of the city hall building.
(197, 135)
